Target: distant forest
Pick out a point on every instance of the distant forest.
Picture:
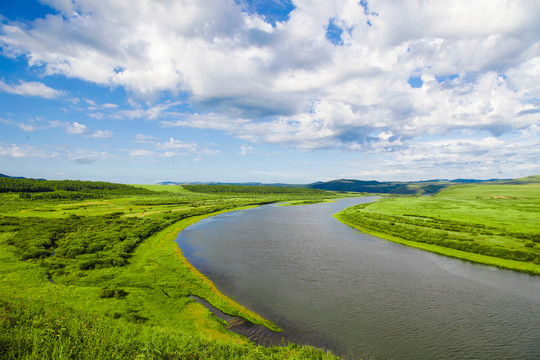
(248, 189)
(75, 189)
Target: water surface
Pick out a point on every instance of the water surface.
(331, 286)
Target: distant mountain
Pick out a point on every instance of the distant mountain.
(16, 177)
(373, 186)
(425, 187)
(11, 177)
(370, 186)
(475, 181)
(384, 187)
(169, 183)
(534, 179)
(233, 183)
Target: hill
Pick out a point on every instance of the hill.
(233, 183)
(426, 187)
(15, 177)
(533, 179)
(373, 186)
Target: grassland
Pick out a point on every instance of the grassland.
(496, 224)
(102, 278)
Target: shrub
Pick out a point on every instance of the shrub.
(113, 293)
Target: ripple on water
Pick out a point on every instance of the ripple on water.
(328, 285)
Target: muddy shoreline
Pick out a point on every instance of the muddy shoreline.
(259, 334)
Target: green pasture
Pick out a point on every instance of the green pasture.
(102, 278)
(496, 224)
(521, 192)
(177, 189)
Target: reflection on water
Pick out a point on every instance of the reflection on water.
(330, 286)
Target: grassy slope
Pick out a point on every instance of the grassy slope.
(158, 279)
(507, 208)
(170, 188)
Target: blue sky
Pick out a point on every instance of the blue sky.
(270, 91)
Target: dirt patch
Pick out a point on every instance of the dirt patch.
(259, 334)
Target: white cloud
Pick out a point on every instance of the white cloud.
(141, 153)
(22, 126)
(102, 134)
(75, 128)
(177, 144)
(150, 113)
(247, 150)
(289, 84)
(23, 151)
(89, 157)
(486, 157)
(207, 121)
(141, 138)
(31, 89)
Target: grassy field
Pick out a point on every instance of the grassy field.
(496, 224)
(103, 279)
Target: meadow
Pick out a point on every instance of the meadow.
(491, 223)
(91, 271)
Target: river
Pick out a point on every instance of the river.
(331, 286)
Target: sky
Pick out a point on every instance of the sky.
(144, 91)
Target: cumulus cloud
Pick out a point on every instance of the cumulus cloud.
(86, 157)
(31, 89)
(23, 151)
(175, 144)
(141, 138)
(168, 149)
(22, 126)
(75, 128)
(150, 113)
(288, 81)
(475, 158)
(102, 134)
(141, 153)
(247, 150)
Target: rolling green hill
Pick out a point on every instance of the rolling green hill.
(411, 188)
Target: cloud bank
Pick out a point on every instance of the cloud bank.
(359, 76)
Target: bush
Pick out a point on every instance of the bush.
(113, 293)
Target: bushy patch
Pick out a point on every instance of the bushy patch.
(30, 330)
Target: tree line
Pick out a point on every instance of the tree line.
(251, 189)
(44, 186)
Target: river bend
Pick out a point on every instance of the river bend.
(331, 286)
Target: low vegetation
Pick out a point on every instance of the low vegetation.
(247, 189)
(496, 224)
(102, 278)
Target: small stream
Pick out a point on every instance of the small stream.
(328, 285)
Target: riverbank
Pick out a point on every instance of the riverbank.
(329, 286)
(481, 259)
(120, 285)
(154, 252)
(496, 225)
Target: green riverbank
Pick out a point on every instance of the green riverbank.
(497, 225)
(102, 278)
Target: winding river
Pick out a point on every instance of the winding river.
(331, 286)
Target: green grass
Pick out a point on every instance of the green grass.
(522, 192)
(134, 302)
(495, 224)
(170, 188)
(37, 330)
